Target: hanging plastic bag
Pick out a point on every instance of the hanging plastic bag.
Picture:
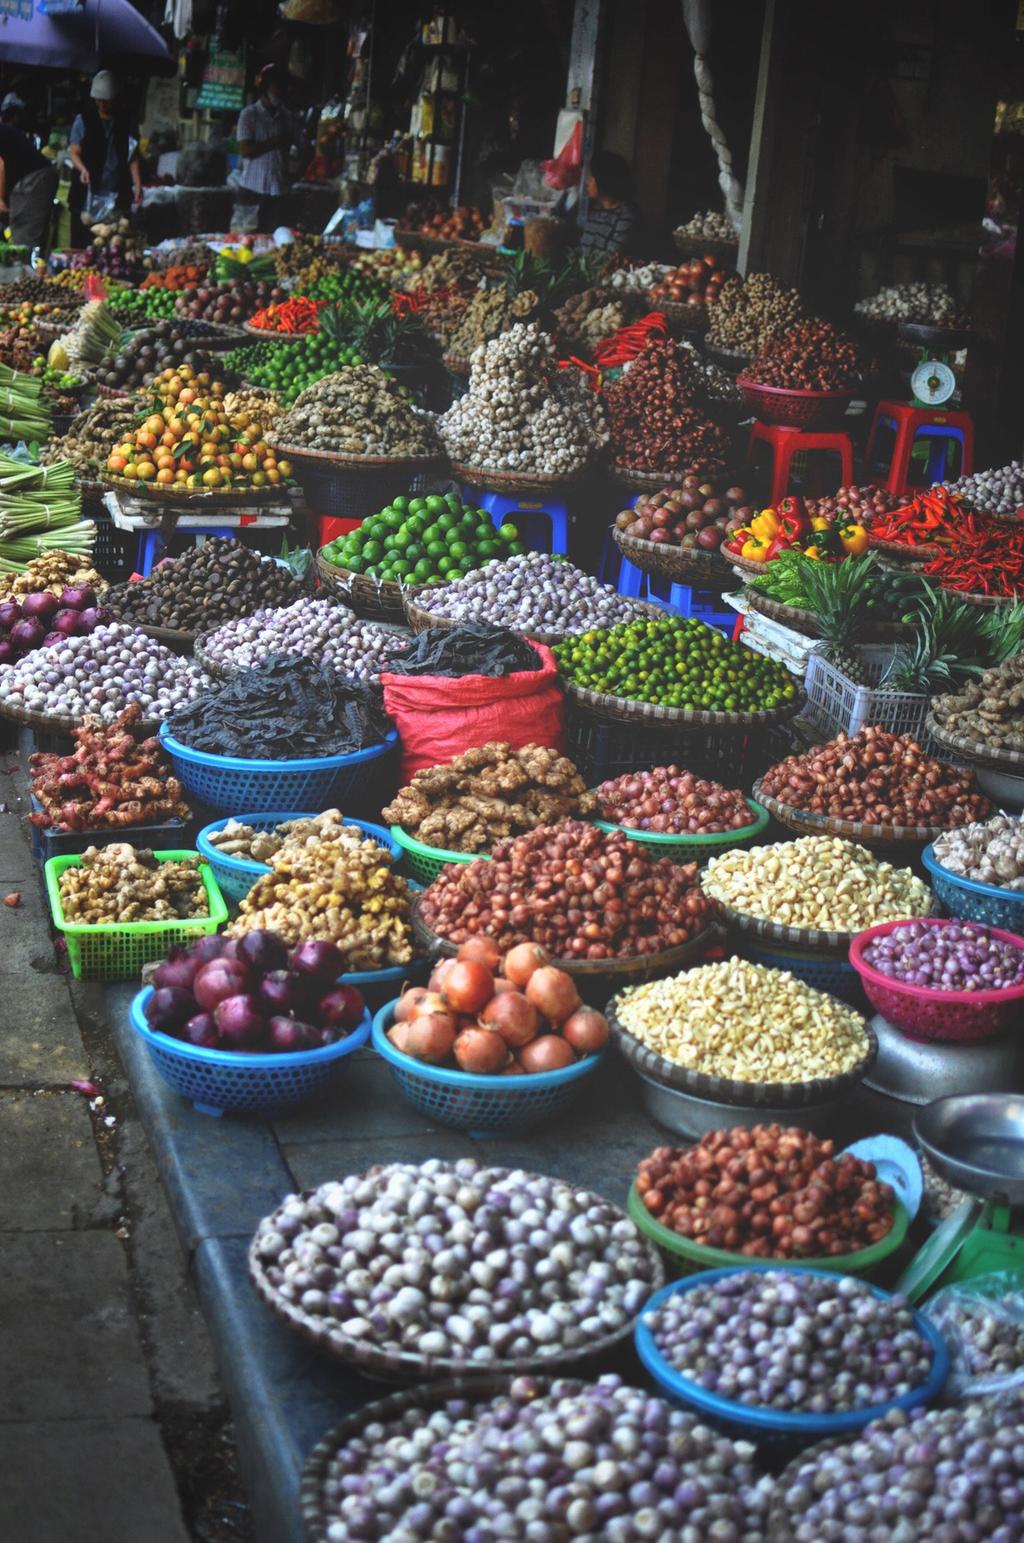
(982, 1322)
(98, 208)
(563, 171)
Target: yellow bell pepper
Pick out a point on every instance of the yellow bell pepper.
(756, 549)
(766, 525)
(813, 551)
(819, 522)
(854, 539)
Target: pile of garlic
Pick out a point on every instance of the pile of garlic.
(521, 412)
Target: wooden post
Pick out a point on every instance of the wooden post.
(773, 209)
(581, 90)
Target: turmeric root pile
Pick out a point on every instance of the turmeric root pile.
(488, 793)
(110, 780)
(118, 884)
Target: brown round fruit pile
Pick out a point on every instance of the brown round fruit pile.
(695, 516)
(580, 892)
(655, 423)
(767, 1191)
(809, 356)
(696, 282)
(230, 304)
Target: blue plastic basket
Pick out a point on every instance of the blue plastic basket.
(973, 902)
(237, 875)
(225, 782)
(774, 1425)
(225, 1081)
(483, 1106)
(836, 976)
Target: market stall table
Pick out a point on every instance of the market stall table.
(149, 521)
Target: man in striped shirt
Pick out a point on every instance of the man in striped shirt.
(266, 132)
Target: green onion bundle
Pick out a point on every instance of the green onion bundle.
(40, 508)
(24, 411)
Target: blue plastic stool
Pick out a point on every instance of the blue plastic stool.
(543, 524)
(151, 541)
(684, 600)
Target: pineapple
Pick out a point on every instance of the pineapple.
(836, 593)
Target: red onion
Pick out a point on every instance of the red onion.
(10, 612)
(202, 1030)
(958, 956)
(218, 980)
(262, 950)
(240, 1022)
(78, 596)
(178, 969)
(288, 1034)
(26, 635)
(341, 1008)
(41, 604)
(168, 1009)
(67, 623)
(321, 960)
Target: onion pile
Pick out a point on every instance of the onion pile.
(254, 994)
(458, 1260)
(577, 1459)
(533, 593)
(316, 629)
(792, 1341)
(957, 956)
(45, 620)
(487, 1015)
(102, 674)
(579, 892)
(673, 802)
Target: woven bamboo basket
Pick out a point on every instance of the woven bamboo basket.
(705, 570)
(650, 715)
(806, 823)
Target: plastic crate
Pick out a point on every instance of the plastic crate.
(226, 1081)
(117, 951)
(483, 1106)
(223, 782)
(601, 749)
(347, 495)
(237, 875)
(113, 552)
(836, 703)
(425, 863)
(47, 842)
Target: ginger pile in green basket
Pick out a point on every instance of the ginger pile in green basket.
(118, 884)
(485, 794)
(335, 886)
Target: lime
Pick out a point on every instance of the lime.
(432, 533)
(435, 504)
(508, 532)
(467, 563)
(401, 503)
(415, 550)
(418, 506)
(401, 569)
(436, 549)
(447, 521)
(446, 564)
(488, 549)
(517, 549)
(373, 551)
(458, 549)
(423, 569)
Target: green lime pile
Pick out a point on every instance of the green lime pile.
(674, 662)
(157, 304)
(428, 540)
(348, 285)
(287, 366)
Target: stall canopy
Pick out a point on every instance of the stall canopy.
(86, 36)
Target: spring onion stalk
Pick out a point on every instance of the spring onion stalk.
(77, 539)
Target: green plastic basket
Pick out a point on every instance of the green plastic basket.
(117, 951)
(683, 849)
(697, 1256)
(425, 863)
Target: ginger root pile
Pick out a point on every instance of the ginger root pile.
(488, 793)
(119, 884)
(110, 780)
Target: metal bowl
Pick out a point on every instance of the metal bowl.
(975, 1141)
(688, 1115)
(1004, 788)
(916, 1072)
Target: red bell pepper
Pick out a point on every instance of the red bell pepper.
(794, 520)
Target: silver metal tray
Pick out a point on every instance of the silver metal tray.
(916, 1072)
(975, 1141)
(688, 1115)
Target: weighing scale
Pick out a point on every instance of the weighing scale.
(933, 380)
(976, 1143)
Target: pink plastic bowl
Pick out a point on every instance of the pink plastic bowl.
(923, 1014)
(793, 408)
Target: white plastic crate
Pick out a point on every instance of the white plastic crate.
(836, 703)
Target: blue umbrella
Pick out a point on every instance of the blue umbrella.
(82, 35)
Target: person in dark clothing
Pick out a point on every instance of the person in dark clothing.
(28, 181)
(611, 220)
(104, 151)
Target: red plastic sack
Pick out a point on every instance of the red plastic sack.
(439, 717)
(564, 170)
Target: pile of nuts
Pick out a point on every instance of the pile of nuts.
(808, 356)
(521, 412)
(586, 319)
(488, 793)
(989, 710)
(204, 587)
(746, 1022)
(103, 674)
(880, 778)
(767, 1191)
(318, 629)
(909, 302)
(489, 313)
(792, 1341)
(998, 490)
(457, 1260)
(988, 853)
(750, 311)
(53, 570)
(654, 419)
(359, 411)
(248, 844)
(817, 881)
(339, 888)
(708, 226)
(120, 883)
(579, 892)
(528, 594)
(671, 802)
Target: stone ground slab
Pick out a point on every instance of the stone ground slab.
(65, 1482)
(49, 1169)
(16, 860)
(40, 1044)
(70, 1347)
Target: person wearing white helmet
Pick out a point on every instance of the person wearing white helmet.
(28, 181)
(104, 150)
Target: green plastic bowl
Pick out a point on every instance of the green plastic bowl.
(697, 1256)
(425, 863)
(682, 848)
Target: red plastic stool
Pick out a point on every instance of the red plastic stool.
(785, 443)
(909, 424)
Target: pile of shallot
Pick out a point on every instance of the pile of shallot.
(492, 1016)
